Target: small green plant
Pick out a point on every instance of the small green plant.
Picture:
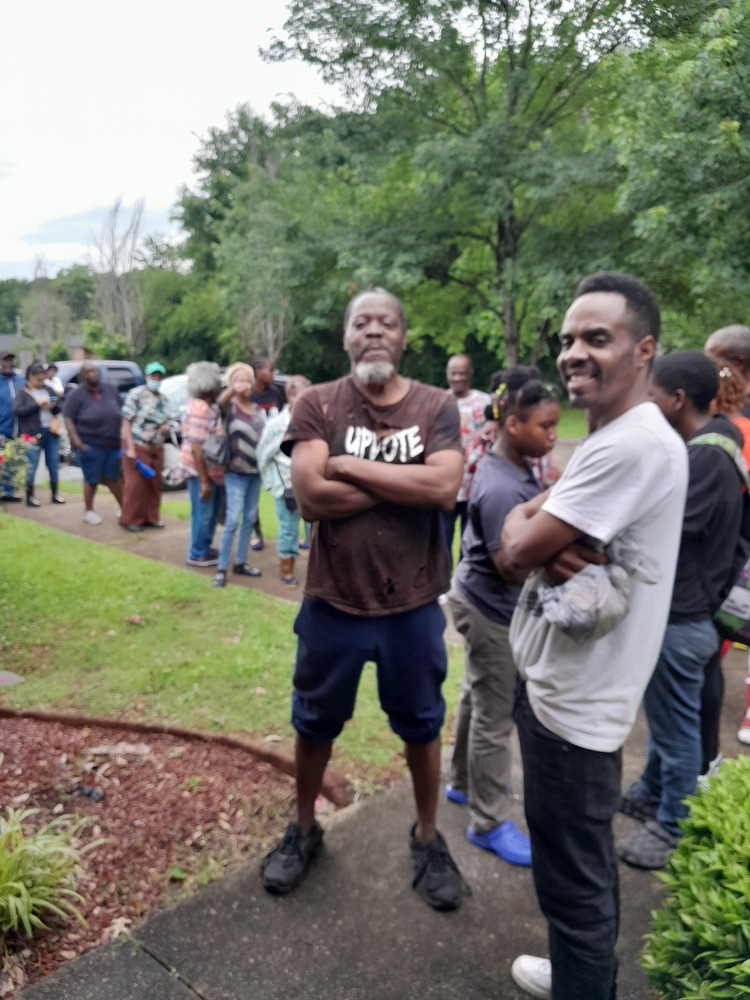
(699, 944)
(14, 461)
(38, 870)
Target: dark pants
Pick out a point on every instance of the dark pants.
(712, 696)
(571, 795)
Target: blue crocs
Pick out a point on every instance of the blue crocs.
(506, 841)
(456, 795)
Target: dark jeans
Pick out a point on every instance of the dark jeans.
(571, 795)
(672, 703)
(712, 696)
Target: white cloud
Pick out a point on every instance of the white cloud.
(107, 100)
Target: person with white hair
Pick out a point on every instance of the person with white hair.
(205, 483)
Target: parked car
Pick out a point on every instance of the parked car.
(123, 375)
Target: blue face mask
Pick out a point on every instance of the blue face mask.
(153, 384)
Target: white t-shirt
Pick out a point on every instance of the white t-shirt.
(631, 474)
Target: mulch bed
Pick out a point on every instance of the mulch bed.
(174, 813)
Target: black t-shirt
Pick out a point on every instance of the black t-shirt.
(269, 402)
(96, 416)
(711, 527)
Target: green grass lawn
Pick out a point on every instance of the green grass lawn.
(104, 632)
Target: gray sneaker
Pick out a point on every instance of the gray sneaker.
(649, 847)
(285, 866)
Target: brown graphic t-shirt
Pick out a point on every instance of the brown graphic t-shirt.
(391, 558)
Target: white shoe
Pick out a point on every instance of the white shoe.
(533, 975)
(743, 733)
(91, 517)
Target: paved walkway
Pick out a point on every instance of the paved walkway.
(354, 930)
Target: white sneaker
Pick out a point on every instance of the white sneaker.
(91, 517)
(743, 733)
(533, 975)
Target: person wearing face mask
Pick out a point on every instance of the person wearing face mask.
(145, 422)
(244, 425)
(35, 410)
(92, 419)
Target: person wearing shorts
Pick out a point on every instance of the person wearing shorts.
(92, 419)
(376, 459)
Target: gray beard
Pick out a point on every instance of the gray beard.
(374, 372)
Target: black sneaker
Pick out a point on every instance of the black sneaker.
(284, 867)
(436, 875)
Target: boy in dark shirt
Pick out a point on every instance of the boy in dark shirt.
(683, 386)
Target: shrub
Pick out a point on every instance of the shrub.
(14, 461)
(699, 944)
(37, 872)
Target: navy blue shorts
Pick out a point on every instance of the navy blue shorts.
(333, 647)
(98, 464)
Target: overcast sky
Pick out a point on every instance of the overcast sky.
(107, 98)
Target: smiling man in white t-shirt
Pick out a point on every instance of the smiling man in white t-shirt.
(578, 700)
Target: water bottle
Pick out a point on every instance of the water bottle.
(145, 470)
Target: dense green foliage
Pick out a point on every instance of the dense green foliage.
(38, 870)
(699, 945)
(490, 153)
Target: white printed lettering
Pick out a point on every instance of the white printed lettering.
(402, 446)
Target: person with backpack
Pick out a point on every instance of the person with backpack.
(684, 386)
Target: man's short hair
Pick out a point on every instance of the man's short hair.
(690, 371)
(260, 363)
(734, 343)
(641, 304)
(377, 291)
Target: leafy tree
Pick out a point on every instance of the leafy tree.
(683, 135)
(184, 317)
(495, 92)
(46, 318)
(102, 343)
(76, 287)
(12, 293)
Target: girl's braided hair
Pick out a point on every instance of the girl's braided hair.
(731, 395)
(516, 390)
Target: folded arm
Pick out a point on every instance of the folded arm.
(532, 538)
(320, 498)
(434, 484)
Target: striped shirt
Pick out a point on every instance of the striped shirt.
(244, 430)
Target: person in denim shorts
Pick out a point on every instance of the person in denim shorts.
(376, 459)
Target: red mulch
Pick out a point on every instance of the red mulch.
(174, 811)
